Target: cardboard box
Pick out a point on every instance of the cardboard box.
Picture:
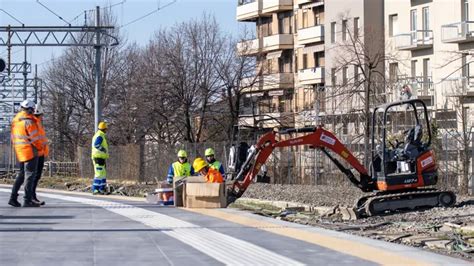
(205, 195)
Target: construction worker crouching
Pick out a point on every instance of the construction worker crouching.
(42, 154)
(180, 168)
(100, 153)
(27, 142)
(210, 174)
(213, 163)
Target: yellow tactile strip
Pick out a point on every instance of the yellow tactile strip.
(345, 246)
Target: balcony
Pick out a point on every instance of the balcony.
(311, 76)
(268, 82)
(311, 34)
(249, 47)
(272, 6)
(414, 40)
(418, 87)
(268, 120)
(460, 32)
(278, 42)
(248, 10)
(459, 87)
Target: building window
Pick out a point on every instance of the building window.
(393, 25)
(426, 73)
(344, 76)
(284, 23)
(344, 30)
(305, 18)
(318, 16)
(333, 32)
(426, 22)
(465, 11)
(413, 68)
(356, 75)
(333, 76)
(265, 27)
(296, 63)
(413, 26)
(318, 59)
(356, 28)
(393, 72)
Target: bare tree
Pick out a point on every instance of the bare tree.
(361, 53)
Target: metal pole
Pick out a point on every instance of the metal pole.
(25, 76)
(446, 158)
(472, 163)
(36, 84)
(98, 91)
(316, 123)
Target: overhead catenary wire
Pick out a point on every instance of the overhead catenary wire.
(93, 10)
(148, 14)
(10, 15)
(38, 1)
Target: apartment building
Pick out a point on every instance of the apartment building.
(308, 54)
(430, 42)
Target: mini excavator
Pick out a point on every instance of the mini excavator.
(401, 173)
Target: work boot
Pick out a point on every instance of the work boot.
(30, 204)
(14, 202)
(37, 201)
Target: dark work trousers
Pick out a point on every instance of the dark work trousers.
(39, 172)
(28, 172)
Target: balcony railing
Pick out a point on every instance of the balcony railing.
(271, 6)
(278, 42)
(268, 120)
(311, 34)
(249, 47)
(248, 10)
(458, 32)
(420, 87)
(458, 87)
(268, 82)
(414, 40)
(311, 76)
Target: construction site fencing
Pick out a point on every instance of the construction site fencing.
(296, 165)
(290, 165)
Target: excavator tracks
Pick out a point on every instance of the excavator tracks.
(382, 202)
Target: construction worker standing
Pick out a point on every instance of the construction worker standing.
(213, 163)
(26, 140)
(41, 154)
(180, 168)
(210, 174)
(100, 153)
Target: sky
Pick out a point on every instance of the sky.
(32, 13)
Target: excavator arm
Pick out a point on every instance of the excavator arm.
(318, 138)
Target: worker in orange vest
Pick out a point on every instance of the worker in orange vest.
(41, 154)
(210, 174)
(27, 142)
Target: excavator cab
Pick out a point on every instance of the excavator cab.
(401, 153)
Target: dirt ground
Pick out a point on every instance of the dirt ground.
(448, 231)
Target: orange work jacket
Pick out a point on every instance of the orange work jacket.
(26, 137)
(45, 151)
(213, 176)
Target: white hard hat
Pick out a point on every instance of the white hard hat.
(27, 104)
(38, 109)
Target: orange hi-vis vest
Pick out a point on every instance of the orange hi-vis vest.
(45, 151)
(26, 137)
(213, 176)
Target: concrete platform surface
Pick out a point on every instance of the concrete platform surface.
(79, 229)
